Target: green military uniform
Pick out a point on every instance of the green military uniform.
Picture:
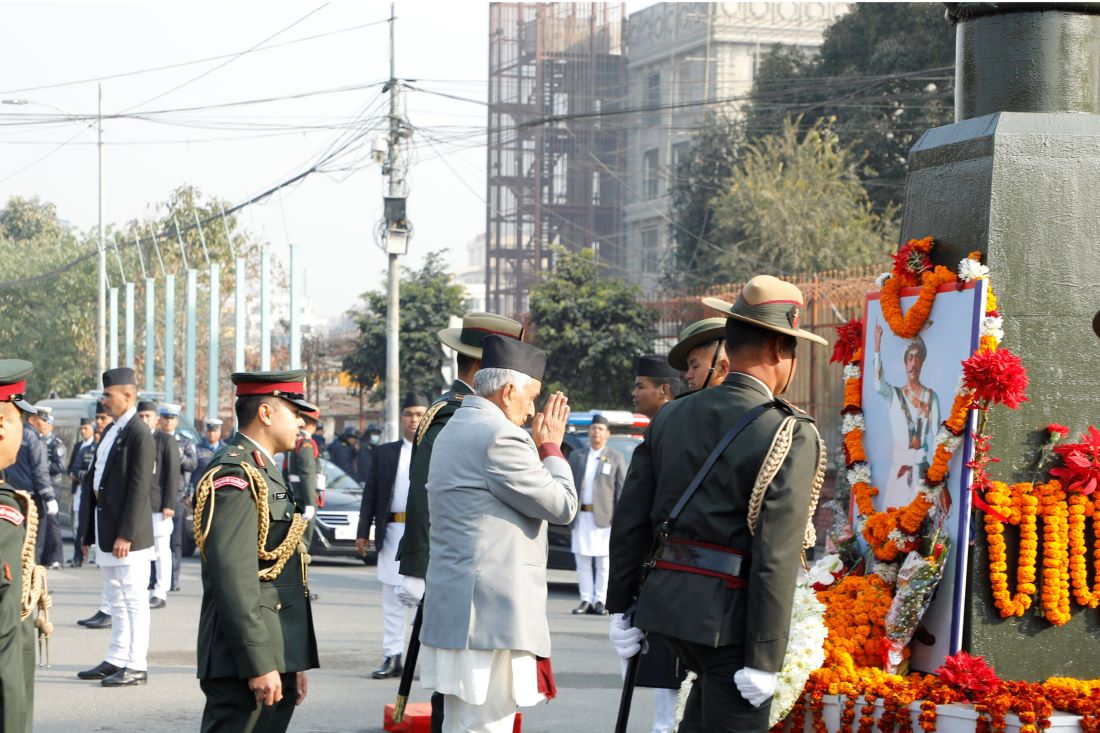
(735, 550)
(18, 519)
(412, 553)
(255, 615)
(301, 475)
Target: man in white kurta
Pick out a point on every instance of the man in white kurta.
(598, 473)
(492, 488)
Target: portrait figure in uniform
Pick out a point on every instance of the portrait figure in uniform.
(915, 416)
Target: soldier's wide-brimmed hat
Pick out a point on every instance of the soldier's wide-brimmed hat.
(13, 383)
(698, 333)
(770, 303)
(290, 385)
(470, 339)
(655, 366)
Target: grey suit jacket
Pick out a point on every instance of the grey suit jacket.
(490, 498)
(606, 487)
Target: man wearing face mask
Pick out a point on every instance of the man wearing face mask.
(732, 545)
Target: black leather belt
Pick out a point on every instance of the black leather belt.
(704, 558)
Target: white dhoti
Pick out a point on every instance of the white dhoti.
(591, 550)
(162, 553)
(481, 688)
(395, 615)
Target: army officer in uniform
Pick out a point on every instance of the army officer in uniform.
(256, 636)
(738, 565)
(16, 521)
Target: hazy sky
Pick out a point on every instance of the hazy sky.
(236, 151)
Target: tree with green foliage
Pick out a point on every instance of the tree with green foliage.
(702, 173)
(795, 205)
(47, 298)
(429, 298)
(884, 74)
(591, 328)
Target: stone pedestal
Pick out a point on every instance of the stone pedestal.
(1023, 187)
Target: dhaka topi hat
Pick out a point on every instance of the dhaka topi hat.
(147, 406)
(501, 352)
(414, 399)
(599, 419)
(655, 367)
(696, 334)
(290, 385)
(122, 376)
(770, 303)
(13, 383)
(470, 338)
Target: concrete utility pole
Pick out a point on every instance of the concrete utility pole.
(295, 305)
(102, 303)
(397, 238)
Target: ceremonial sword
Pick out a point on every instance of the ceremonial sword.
(409, 671)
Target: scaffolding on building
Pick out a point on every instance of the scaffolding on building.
(555, 168)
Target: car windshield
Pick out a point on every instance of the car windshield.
(336, 479)
(624, 444)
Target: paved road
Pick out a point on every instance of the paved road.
(342, 696)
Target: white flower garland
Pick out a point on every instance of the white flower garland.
(993, 326)
(881, 279)
(859, 473)
(948, 440)
(852, 371)
(805, 651)
(852, 422)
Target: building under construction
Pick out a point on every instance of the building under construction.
(555, 166)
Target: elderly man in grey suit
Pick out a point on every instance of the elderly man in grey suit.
(492, 488)
(598, 473)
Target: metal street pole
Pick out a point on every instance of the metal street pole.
(393, 308)
(102, 303)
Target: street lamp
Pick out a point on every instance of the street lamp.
(102, 300)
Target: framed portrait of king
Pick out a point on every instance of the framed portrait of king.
(909, 386)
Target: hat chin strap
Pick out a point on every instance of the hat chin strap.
(787, 382)
(713, 363)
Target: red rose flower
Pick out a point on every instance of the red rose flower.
(997, 377)
(849, 337)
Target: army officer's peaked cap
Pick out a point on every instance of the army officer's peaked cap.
(290, 385)
(13, 383)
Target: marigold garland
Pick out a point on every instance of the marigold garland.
(907, 325)
(1021, 508)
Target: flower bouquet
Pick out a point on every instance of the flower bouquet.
(918, 578)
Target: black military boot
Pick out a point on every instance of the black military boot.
(391, 667)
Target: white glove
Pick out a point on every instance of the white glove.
(410, 591)
(755, 685)
(308, 512)
(626, 638)
(51, 507)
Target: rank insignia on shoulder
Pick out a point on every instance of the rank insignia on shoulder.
(258, 458)
(11, 514)
(234, 481)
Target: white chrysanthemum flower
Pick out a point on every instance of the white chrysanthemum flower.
(948, 440)
(900, 539)
(859, 473)
(823, 572)
(852, 422)
(993, 326)
(972, 270)
(852, 371)
(932, 494)
(881, 280)
(888, 571)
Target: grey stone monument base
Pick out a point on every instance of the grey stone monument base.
(1024, 188)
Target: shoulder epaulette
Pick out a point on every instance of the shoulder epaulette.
(426, 422)
(793, 410)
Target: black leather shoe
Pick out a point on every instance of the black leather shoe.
(391, 667)
(125, 678)
(99, 621)
(157, 603)
(585, 607)
(598, 609)
(99, 672)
